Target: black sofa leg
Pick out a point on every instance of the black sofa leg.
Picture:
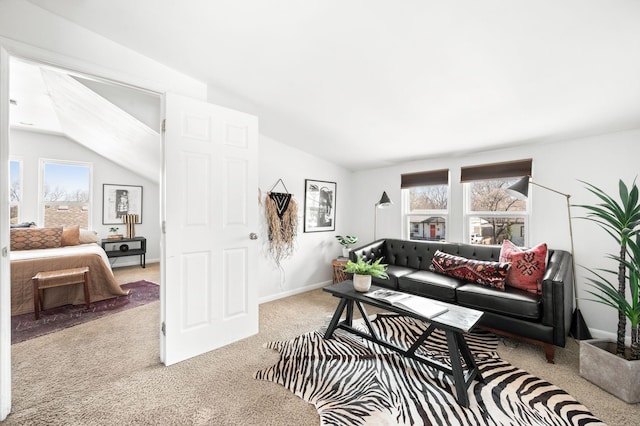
(549, 352)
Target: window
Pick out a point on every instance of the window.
(15, 190)
(425, 198)
(493, 215)
(66, 193)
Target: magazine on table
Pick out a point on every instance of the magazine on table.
(420, 305)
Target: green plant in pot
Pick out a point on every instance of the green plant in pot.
(363, 271)
(609, 295)
(346, 241)
(621, 220)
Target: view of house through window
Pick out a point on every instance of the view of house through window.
(66, 193)
(494, 215)
(426, 197)
(15, 190)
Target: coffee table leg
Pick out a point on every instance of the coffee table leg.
(468, 357)
(349, 319)
(336, 317)
(456, 367)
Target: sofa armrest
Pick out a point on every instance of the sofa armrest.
(371, 251)
(557, 295)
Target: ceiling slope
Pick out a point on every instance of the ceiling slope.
(95, 123)
(367, 83)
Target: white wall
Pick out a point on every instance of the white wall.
(310, 266)
(600, 160)
(30, 147)
(28, 30)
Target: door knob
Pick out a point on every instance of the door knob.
(253, 236)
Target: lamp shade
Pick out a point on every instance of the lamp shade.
(519, 189)
(385, 201)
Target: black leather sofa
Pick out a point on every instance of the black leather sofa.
(544, 319)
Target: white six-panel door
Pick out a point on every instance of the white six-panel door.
(210, 186)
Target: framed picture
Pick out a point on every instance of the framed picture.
(119, 200)
(319, 206)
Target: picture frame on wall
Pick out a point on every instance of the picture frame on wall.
(319, 205)
(120, 200)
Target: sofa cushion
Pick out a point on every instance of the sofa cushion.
(35, 238)
(492, 274)
(394, 273)
(510, 302)
(430, 284)
(527, 266)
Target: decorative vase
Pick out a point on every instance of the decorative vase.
(361, 283)
(345, 251)
(616, 375)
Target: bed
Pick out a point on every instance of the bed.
(26, 263)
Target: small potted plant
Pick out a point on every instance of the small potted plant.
(113, 235)
(346, 241)
(363, 271)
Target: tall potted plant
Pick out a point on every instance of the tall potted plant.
(363, 271)
(621, 220)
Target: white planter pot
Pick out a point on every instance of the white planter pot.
(616, 375)
(345, 252)
(361, 283)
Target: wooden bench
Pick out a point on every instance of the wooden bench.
(62, 277)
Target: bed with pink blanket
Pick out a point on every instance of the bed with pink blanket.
(26, 263)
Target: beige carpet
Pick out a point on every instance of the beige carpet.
(107, 372)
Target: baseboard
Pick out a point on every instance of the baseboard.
(600, 334)
(293, 292)
(120, 262)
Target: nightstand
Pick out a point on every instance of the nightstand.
(126, 247)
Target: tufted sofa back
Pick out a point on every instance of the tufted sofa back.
(418, 254)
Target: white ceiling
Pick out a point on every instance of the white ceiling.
(367, 83)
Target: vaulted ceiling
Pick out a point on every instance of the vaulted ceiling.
(367, 83)
(49, 100)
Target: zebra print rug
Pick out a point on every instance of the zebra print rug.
(352, 381)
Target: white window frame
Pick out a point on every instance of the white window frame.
(21, 182)
(469, 214)
(42, 162)
(427, 213)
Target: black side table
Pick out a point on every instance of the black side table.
(126, 247)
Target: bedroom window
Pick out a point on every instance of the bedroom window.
(425, 197)
(66, 193)
(492, 215)
(15, 190)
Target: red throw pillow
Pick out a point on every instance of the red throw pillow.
(492, 274)
(527, 268)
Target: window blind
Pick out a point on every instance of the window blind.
(517, 168)
(432, 177)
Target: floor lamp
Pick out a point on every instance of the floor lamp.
(385, 201)
(579, 329)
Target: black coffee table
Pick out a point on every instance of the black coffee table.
(455, 322)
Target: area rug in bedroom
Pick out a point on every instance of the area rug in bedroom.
(25, 326)
(352, 381)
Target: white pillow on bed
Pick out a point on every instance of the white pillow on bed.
(87, 236)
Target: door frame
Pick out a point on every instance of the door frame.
(14, 49)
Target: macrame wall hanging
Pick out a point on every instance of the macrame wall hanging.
(282, 219)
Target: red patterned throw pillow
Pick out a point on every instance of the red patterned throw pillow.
(492, 274)
(527, 268)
